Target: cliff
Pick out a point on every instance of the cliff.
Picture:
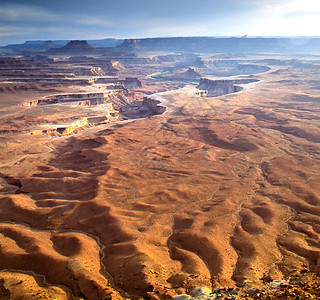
(142, 109)
(117, 97)
(222, 86)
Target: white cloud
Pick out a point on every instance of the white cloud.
(295, 18)
(293, 8)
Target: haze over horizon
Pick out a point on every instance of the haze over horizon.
(22, 20)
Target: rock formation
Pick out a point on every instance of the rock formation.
(92, 71)
(131, 83)
(93, 98)
(111, 67)
(221, 87)
(76, 44)
(117, 97)
(73, 47)
(142, 109)
(193, 73)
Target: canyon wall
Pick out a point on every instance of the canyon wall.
(222, 86)
(117, 97)
(142, 109)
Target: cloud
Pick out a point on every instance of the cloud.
(15, 30)
(294, 8)
(92, 21)
(299, 14)
(19, 12)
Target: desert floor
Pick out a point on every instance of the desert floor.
(217, 191)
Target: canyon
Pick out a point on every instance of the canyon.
(128, 173)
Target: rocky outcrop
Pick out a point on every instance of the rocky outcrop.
(76, 44)
(193, 73)
(142, 109)
(82, 124)
(222, 86)
(186, 75)
(75, 126)
(93, 98)
(131, 83)
(153, 105)
(116, 97)
(112, 66)
(73, 47)
(92, 71)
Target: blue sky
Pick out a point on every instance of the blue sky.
(22, 20)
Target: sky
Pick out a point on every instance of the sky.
(22, 20)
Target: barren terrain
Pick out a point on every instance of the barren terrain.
(217, 191)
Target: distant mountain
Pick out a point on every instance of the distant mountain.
(73, 47)
(76, 44)
(182, 44)
(223, 45)
(36, 46)
(106, 42)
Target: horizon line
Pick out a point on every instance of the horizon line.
(163, 37)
